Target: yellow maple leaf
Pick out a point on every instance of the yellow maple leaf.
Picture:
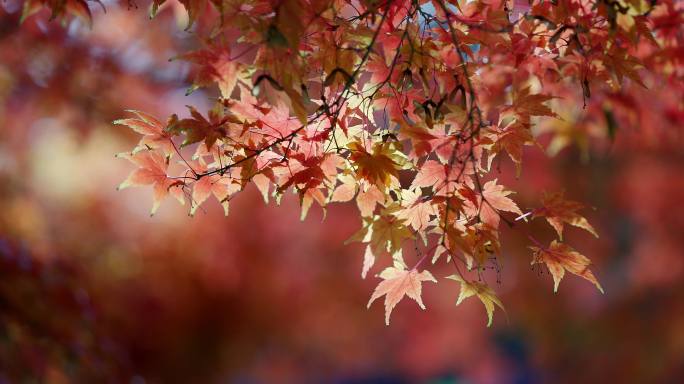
(483, 292)
(383, 234)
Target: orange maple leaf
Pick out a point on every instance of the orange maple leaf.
(368, 199)
(493, 198)
(214, 67)
(367, 196)
(558, 210)
(152, 171)
(526, 104)
(421, 138)
(219, 186)
(198, 128)
(152, 130)
(512, 138)
(379, 167)
(399, 282)
(416, 210)
(559, 258)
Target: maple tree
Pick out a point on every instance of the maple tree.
(406, 107)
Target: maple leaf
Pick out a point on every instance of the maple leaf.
(288, 25)
(440, 177)
(378, 69)
(207, 186)
(558, 210)
(496, 197)
(379, 167)
(431, 174)
(368, 199)
(483, 292)
(478, 243)
(512, 139)
(346, 190)
(304, 174)
(559, 258)
(397, 283)
(152, 171)
(370, 103)
(416, 210)
(397, 107)
(197, 128)
(420, 137)
(383, 233)
(493, 198)
(152, 131)
(219, 186)
(624, 65)
(309, 176)
(59, 8)
(526, 104)
(215, 67)
(307, 197)
(272, 120)
(367, 196)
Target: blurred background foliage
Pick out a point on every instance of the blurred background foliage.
(92, 289)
